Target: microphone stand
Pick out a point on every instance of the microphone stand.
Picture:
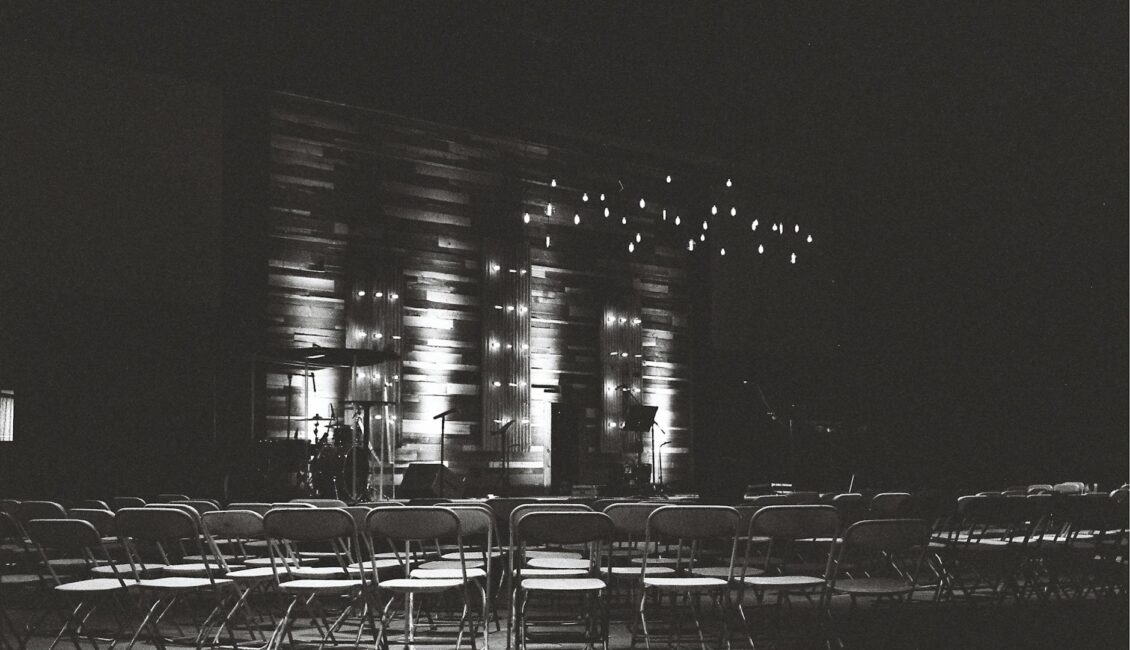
(655, 481)
(442, 417)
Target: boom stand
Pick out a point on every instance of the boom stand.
(504, 431)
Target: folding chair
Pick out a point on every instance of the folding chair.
(694, 527)
(165, 533)
(886, 556)
(21, 580)
(889, 505)
(117, 503)
(81, 540)
(409, 525)
(236, 528)
(286, 527)
(627, 546)
(784, 526)
(565, 527)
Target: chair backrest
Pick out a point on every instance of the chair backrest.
(692, 522)
(1121, 495)
(304, 524)
(73, 538)
(101, 519)
(232, 524)
(1069, 487)
(200, 505)
(171, 497)
(851, 506)
(156, 524)
(321, 503)
(10, 529)
(29, 510)
(92, 504)
(9, 506)
(117, 503)
(888, 535)
(292, 504)
(795, 522)
(889, 505)
(253, 506)
(183, 507)
(413, 523)
(802, 498)
(474, 519)
(893, 548)
(630, 518)
(562, 527)
(765, 500)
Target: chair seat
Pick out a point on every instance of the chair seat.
(419, 585)
(683, 584)
(320, 586)
(255, 573)
(563, 584)
(95, 585)
(635, 571)
(317, 555)
(656, 560)
(197, 569)
(316, 571)
(200, 558)
(873, 586)
(19, 578)
(552, 554)
(723, 572)
(108, 569)
(69, 564)
(784, 582)
(386, 563)
(181, 582)
(266, 561)
(447, 574)
(435, 565)
(558, 563)
(470, 555)
(549, 573)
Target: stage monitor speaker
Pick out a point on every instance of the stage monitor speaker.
(426, 480)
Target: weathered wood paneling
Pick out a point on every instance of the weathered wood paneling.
(363, 201)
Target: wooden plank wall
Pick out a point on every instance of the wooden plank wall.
(507, 259)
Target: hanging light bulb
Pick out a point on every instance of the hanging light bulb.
(796, 228)
(733, 212)
(606, 213)
(643, 204)
(526, 218)
(360, 294)
(553, 183)
(753, 225)
(668, 178)
(585, 197)
(705, 224)
(702, 237)
(678, 220)
(665, 214)
(602, 196)
(549, 209)
(547, 241)
(576, 219)
(723, 251)
(690, 244)
(729, 183)
(638, 238)
(631, 247)
(623, 221)
(713, 209)
(760, 249)
(809, 240)
(792, 259)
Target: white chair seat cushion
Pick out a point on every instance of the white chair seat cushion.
(20, 579)
(684, 583)
(316, 571)
(322, 586)
(557, 563)
(266, 561)
(448, 564)
(872, 586)
(561, 573)
(69, 564)
(784, 582)
(181, 583)
(385, 563)
(635, 571)
(469, 555)
(656, 560)
(254, 573)
(108, 570)
(95, 584)
(562, 584)
(447, 574)
(552, 554)
(419, 585)
(200, 558)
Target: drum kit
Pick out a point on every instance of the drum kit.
(340, 462)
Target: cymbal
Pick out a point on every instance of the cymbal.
(333, 357)
(316, 418)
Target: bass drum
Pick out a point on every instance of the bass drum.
(326, 470)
